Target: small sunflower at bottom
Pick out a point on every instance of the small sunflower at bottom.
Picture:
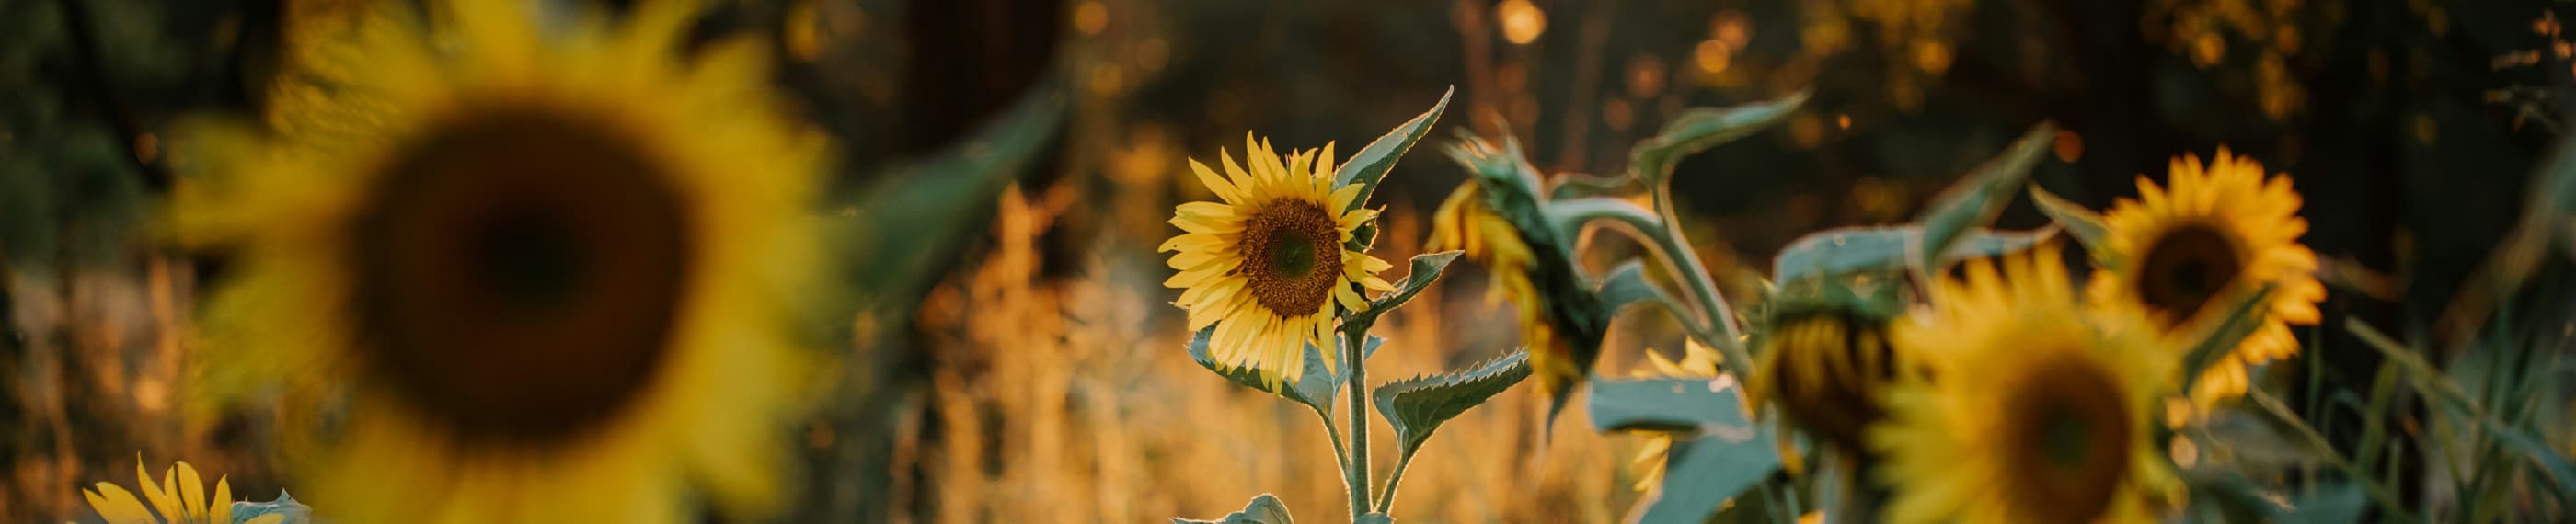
(2215, 231)
(179, 498)
(1697, 361)
(554, 276)
(1269, 261)
(2042, 411)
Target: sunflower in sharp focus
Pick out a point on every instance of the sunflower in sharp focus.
(1697, 361)
(554, 283)
(1465, 222)
(2036, 410)
(1268, 262)
(178, 498)
(2181, 252)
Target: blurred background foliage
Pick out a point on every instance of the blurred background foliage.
(1033, 373)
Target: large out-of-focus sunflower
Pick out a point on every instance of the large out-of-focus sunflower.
(2033, 410)
(1268, 261)
(1465, 222)
(553, 277)
(1697, 361)
(2183, 250)
(178, 498)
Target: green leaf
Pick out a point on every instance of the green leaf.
(2242, 317)
(2330, 503)
(1579, 185)
(1626, 285)
(1975, 199)
(2222, 496)
(1848, 250)
(912, 224)
(1667, 404)
(286, 507)
(1369, 166)
(1700, 474)
(1426, 268)
(1417, 406)
(2256, 438)
(1264, 509)
(1700, 128)
(1374, 518)
(1315, 387)
(2085, 225)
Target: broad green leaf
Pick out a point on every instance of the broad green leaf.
(1700, 128)
(1626, 285)
(1848, 250)
(2085, 225)
(1976, 198)
(2327, 504)
(1315, 387)
(285, 510)
(1417, 406)
(914, 222)
(1369, 166)
(1264, 509)
(1667, 404)
(2243, 316)
(1426, 269)
(1702, 473)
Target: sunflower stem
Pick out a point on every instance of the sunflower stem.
(1353, 341)
(1713, 322)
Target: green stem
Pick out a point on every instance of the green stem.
(1386, 497)
(2393, 509)
(1714, 322)
(1353, 336)
(1341, 455)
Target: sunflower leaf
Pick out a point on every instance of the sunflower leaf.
(1848, 250)
(1626, 285)
(1264, 509)
(1426, 269)
(1374, 518)
(1702, 473)
(1667, 404)
(1315, 387)
(1369, 166)
(2084, 224)
(1975, 199)
(2243, 316)
(285, 509)
(1417, 406)
(1701, 128)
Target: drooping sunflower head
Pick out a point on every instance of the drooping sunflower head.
(1466, 221)
(1270, 260)
(178, 498)
(560, 270)
(1825, 364)
(2181, 252)
(2035, 410)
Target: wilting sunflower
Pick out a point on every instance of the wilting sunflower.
(1697, 361)
(1465, 222)
(2218, 230)
(179, 498)
(1824, 364)
(554, 286)
(2036, 409)
(1268, 261)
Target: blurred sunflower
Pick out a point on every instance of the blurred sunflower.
(2218, 230)
(1268, 261)
(1465, 222)
(179, 498)
(553, 284)
(1824, 361)
(1697, 361)
(2035, 410)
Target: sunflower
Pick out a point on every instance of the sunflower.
(179, 498)
(1268, 261)
(1697, 361)
(1466, 222)
(2219, 230)
(1825, 367)
(552, 284)
(2035, 410)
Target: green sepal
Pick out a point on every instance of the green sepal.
(1974, 200)
(1264, 509)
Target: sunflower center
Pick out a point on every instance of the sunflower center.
(2068, 439)
(517, 274)
(2185, 268)
(1293, 254)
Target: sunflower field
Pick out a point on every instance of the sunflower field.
(1246, 262)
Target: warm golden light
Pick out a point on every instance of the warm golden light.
(1522, 22)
